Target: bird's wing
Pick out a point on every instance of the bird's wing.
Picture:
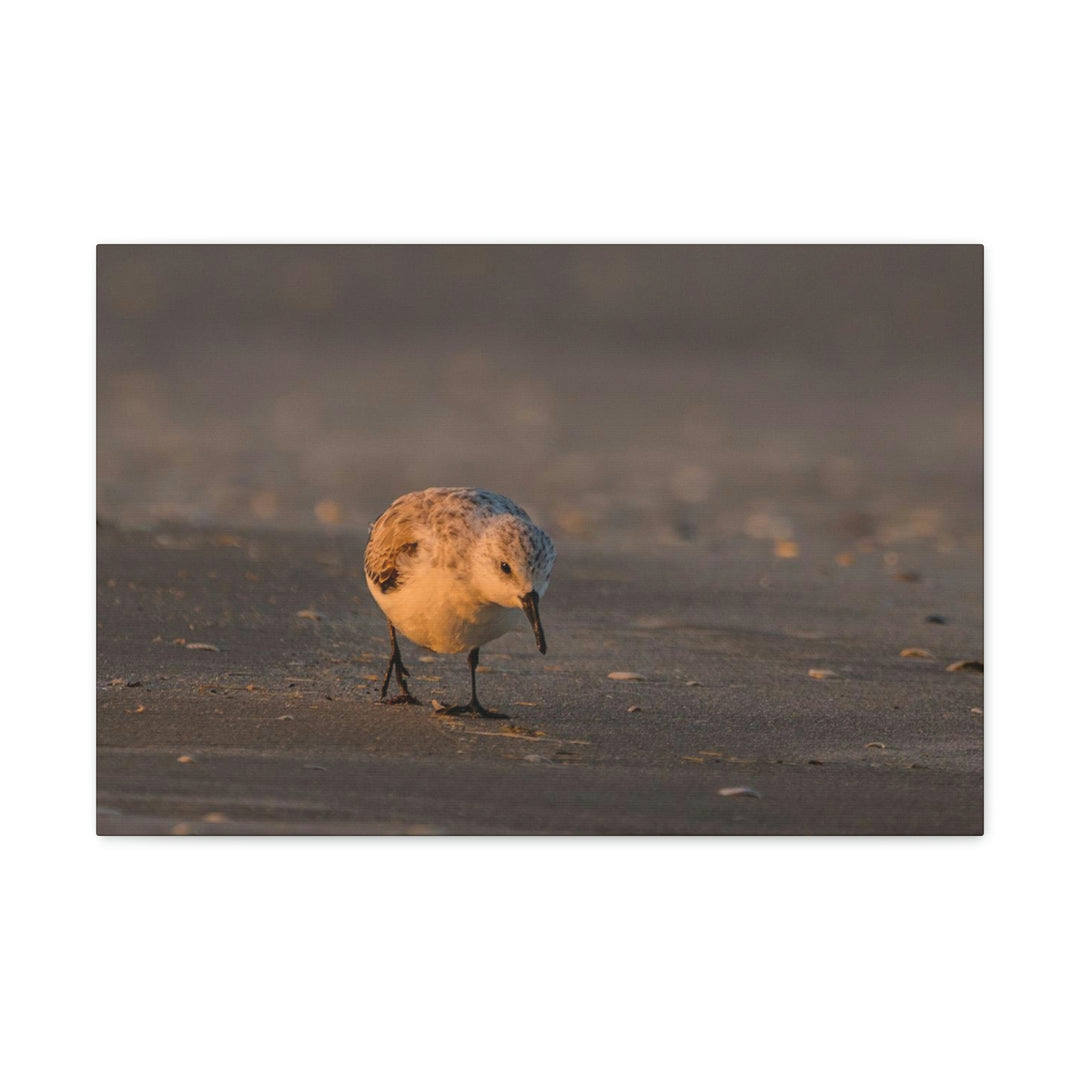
(394, 541)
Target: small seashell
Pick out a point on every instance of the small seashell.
(693, 682)
(205, 646)
(185, 760)
(749, 792)
(308, 613)
(634, 708)
(626, 676)
(822, 673)
(215, 818)
(922, 654)
(966, 665)
(875, 746)
(976, 710)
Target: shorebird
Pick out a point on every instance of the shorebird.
(452, 568)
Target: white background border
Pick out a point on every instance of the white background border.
(587, 121)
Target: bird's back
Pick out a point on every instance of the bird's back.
(436, 522)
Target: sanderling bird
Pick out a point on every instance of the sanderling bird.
(451, 568)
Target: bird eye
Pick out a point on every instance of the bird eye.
(505, 568)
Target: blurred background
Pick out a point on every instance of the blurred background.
(628, 394)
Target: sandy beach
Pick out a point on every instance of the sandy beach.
(755, 462)
(258, 656)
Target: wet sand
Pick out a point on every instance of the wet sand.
(284, 734)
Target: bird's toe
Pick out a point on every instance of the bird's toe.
(470, 710)
(400, 699)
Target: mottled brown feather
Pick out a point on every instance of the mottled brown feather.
(392, 543)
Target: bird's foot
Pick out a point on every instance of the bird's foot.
(472, 709)
(400, 699)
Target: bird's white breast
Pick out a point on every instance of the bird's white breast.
(437, 609)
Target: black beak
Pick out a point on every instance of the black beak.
(530, 604)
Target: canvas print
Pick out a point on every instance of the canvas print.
(576, 539)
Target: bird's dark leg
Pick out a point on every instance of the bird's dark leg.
(399, 670)
(474, 707)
